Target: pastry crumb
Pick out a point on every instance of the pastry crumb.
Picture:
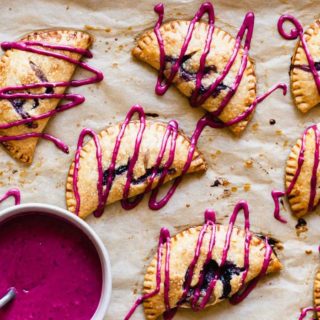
(255, 126)
(225, 182)
(248, 163)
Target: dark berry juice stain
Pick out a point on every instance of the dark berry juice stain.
(152, 114)
(305, 67)
(191, 76)
(301, 223)
(134, 181)
(216, 183)
(41, 76)
(223, 273)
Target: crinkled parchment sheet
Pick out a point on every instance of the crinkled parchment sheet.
(131, 236)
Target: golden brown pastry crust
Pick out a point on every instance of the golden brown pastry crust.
(222, 45)
(182, 250)
(303, 87)
(16, 69)
(316, 292)
(300, 194)
(150, 147)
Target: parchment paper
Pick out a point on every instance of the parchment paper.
(131, 236)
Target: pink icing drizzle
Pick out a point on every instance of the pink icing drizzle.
(294, 34)
(209, 226)
(305, 312)
(169, 138)
(75, 99)
(198, 99)
(276, 195)
(15, 193)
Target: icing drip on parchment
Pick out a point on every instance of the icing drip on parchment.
(12, 93)
(196, 303)
(169, 139)
(276, 195)
(295, 33)
(15, 193)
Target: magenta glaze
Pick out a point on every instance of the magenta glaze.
(170, 136)
(276, 195)
(15, 193)
(298, 33)
(209, 226)
(75, 99)
(305, 312)
(197, 99)
(54, 267)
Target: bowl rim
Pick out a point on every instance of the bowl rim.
(88, 231)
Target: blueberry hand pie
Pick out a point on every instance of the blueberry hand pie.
(305, 63)
(303, 174)
(205, 265)
(34, 74)
(127, 160)
(220, 79)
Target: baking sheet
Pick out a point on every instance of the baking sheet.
(131, 236)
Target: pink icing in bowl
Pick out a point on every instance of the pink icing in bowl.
(57, 263)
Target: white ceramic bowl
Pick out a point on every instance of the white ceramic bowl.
(88, 231)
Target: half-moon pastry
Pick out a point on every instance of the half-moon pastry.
(202, 266)
(152, 141)
(22, 68)
(221, 49)
(305, 92)
(302, 173)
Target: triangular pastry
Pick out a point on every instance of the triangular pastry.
(19, 67)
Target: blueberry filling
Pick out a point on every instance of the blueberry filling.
(191, 76)
(152, 114)
(223, 273)
(41, 76)
(134, 181)
(272, 242)
(18, 104)
(305, 67)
